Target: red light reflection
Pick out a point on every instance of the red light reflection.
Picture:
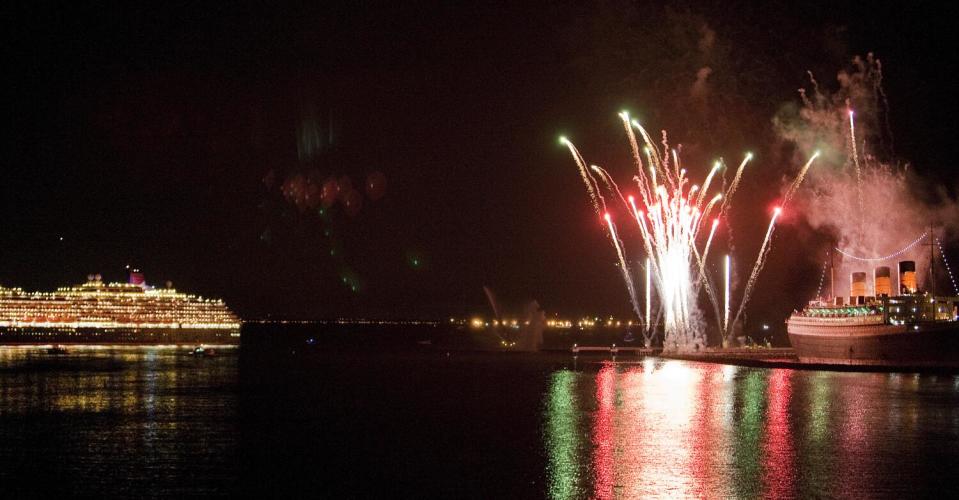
(779, 478)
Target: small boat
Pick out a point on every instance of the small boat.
(205, 352)
(57, 349)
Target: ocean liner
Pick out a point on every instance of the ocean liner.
(911, 328)
(114, 313)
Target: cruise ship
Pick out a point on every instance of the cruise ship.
(114, 313)
(911, 328)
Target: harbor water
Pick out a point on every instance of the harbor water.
(393, 412)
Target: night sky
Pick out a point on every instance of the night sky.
(161, 137)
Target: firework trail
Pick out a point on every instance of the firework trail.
(666, 153)
(709, 179)
(855, 160)
(726, 297)
(610, 183)
(799, 178)
(709, 241)
(757, 267)
(709, 206)
(622, 264)
(584, 173)
(649, 298)
(650, 150)
(881, 95)
(704, 278)
(735, 183)
(634, 147)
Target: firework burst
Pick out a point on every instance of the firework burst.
(670, 213)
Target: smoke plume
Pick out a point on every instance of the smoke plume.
(871, 203)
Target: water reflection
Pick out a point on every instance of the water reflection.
(779, 481)
(563, 437)
(683, 429)
(126, 416)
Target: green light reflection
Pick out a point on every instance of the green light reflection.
(565, 474)
(747, 452)
(817, 458)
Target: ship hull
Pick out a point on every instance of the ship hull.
(931, 345)
(114, 336)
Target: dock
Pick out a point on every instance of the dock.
(614, 349)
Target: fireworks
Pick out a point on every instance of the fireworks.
(855, 159)
(760, 260)
(726, 295)
(627, 278)
(670, 213)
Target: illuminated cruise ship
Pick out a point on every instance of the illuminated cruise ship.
(114, 313)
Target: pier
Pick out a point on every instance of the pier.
(614, 349)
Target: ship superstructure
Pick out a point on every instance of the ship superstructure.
(910, 328)
(99, 312)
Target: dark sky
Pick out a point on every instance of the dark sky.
(143, 136)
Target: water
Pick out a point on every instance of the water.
(119, 421)
(692, 429)
(388, 417)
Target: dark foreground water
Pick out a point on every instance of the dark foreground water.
(278, 417)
